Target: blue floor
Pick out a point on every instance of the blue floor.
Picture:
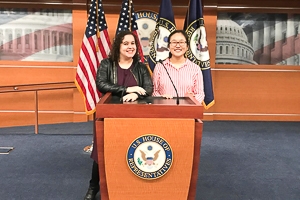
(239, 161)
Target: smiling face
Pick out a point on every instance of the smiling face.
(127, 47)
(178, 45)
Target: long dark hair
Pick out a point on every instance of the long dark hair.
(185, 36)
(115, 51)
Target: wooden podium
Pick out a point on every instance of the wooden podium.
(119, 124)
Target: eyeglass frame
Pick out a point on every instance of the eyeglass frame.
(175, 43)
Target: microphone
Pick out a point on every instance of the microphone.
(177, 97)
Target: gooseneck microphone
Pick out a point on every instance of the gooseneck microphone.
(177, 97)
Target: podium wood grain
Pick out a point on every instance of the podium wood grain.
(121, 183)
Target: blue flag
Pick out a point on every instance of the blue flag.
(198, 48)
(165, 25)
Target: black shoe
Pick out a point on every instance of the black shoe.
(91, 193)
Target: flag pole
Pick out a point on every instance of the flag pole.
(129, 13)
(97, 49)
(89, 148)
(97, 25)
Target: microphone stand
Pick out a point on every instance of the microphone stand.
(177, 97)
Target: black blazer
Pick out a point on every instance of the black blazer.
(106, 79)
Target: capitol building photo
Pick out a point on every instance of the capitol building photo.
(36, 35)
(258, 39)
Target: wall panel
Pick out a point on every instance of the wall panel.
(16, 119)
(17, 108)
(16, 74)
(265, 94)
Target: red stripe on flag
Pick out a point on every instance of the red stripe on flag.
(139, 46)
(88, 90)
(82, 87)
(101, 47)
(88, 55)
(103, 42)
(107, 38)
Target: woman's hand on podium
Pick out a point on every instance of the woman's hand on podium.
(136, 89)
(130, 97)
(188, 93)
(167, 96)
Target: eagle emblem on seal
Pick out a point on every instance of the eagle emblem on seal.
(149, 159)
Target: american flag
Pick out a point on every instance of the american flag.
(127, 23)
(95, 47)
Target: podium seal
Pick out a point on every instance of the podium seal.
(149, 157)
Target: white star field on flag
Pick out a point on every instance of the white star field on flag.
(92, 23)
(124, 20)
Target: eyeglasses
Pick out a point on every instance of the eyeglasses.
(174, 43)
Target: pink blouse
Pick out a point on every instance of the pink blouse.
(187, 78)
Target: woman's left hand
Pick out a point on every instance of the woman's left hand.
(167, 96)
(189, 93)
(130, 97)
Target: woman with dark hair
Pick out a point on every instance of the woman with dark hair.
(125, 76)
(186, 75)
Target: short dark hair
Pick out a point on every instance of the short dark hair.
(183, 33)
(115, 51)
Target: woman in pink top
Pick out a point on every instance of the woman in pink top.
(186, 75)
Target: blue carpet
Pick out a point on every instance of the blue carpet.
(44, 167)
(250, 161)
(239, 161)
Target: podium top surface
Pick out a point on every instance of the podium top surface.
(149, 107)
(153, 100)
